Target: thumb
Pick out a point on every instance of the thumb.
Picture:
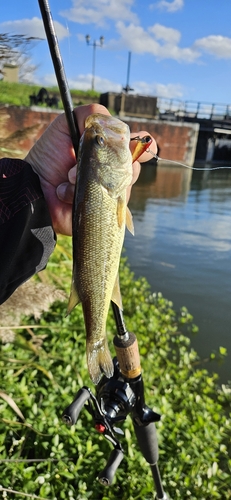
(65, 192)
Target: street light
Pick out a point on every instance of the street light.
(128, 88)
(94, 45)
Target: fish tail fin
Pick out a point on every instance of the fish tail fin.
(99, 361)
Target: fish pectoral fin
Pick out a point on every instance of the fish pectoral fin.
(120, 211)
(129, 221)
(116, 295)
(73, 300)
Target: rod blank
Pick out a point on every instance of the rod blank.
(60, 72)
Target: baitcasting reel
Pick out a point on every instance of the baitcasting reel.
(115, 398)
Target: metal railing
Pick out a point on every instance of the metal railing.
(175, 109)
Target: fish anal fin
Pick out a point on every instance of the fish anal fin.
(74, 299)
(116, 295)
(129, 221)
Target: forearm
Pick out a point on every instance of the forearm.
(26, 235)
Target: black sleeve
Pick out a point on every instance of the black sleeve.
(27, 238)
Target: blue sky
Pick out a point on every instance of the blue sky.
(179, 48)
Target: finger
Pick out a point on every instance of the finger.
(65, 192)
(146, 155)
(136, 171)
(72, 175)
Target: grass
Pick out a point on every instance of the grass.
(17, 94)
(44, 367)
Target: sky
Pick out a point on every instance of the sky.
(180, 49)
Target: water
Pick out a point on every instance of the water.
(182, 245)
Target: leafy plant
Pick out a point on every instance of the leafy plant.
(41, 457)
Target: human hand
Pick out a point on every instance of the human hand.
(53, 159)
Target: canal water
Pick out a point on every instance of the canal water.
(182, 245)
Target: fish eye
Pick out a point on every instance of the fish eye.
(100, 140)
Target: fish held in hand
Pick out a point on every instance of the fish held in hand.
(100, 215)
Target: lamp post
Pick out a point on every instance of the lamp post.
(125, 89)
(94, 45)
(128, 88)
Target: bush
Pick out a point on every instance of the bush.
(46, 365)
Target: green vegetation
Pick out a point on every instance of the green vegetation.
(17, 94)
(46, 365)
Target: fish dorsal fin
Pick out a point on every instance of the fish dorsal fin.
(74, 298)
(120, 211)
(129, 221)
(116, 295)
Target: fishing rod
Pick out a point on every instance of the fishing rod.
(60, 73)
(123, 393)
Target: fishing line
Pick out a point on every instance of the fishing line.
(146, 139)
(202, 169)
(69, 41)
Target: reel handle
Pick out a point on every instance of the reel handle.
(71, 413)
(107, 475)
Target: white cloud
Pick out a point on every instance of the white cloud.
(216, 45)
(170, 6)
(102, 85)
(158, 40)
(169, 35)
(170, 90)
(32, 27)
(100, 11)
(83, 82)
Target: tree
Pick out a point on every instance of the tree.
(15, 48)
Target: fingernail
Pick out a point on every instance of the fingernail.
(72, 175)
(61, 191)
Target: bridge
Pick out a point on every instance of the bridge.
(214, 121)
(214, 140)
(192, 110)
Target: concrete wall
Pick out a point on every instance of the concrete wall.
(176, 141)
(20, 128)
(129, 104)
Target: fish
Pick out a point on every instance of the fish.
(100, 215)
